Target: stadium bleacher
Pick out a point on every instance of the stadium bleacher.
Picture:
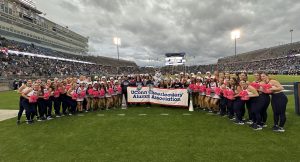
(265, 53)
(282, 59)
(19, 65)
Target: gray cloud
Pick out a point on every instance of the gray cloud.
(200, 28)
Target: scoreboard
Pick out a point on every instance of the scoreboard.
(174, 59)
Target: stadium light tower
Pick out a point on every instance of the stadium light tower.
(236, 34)
(117, 42)
(291, 35)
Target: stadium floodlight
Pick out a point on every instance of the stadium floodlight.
(117, 42)
(291, 35)
(236, 34)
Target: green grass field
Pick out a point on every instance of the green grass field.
(281, 78)
(108, 136)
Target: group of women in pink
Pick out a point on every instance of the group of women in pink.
(230, 94)
(68, 96)
(221, 93)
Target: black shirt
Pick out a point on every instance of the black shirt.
(177, 85)
(124, 85)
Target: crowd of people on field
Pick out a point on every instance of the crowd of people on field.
(220, 93)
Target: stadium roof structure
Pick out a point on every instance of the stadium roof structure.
(182, 54)
(29, 4)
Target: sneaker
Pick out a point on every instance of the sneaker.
(281, 129)
(275, 128)
(265, 125)
(29, 122)
(70, 114)
(39, 120)
(239, 122)
(249, 122)
(58, 116)
(49, 118)
(232, 118)
(86, 111)
(257, 127)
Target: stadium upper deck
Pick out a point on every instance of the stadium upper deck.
(263, 54)
(21, 21)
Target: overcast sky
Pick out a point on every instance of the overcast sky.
(151, 28)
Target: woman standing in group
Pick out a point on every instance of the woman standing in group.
(72, 99)
(278, 101)
(102, 92)
(21, 90)
(108, 95)
(192, 93)
(56, 99)
(257, 104)
(197, 91)
(81, 93)
(89, 96)
(95, 95)
(215, 97)
(244, 77)
(231, 86)
(266, 99)
(247, 94)
(119, 93)
(207, 105)
(30, 102)
(223, 100)
(202, 90)
(63, 97)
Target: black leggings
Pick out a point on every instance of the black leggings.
(72, 104)
(248, 105)
(48, 107)
(257, 104)
(64, 103)
(57, 103)
(30, 109)
(41, 108)
(239, 108)
(21, 108)
(279, 102)
(222, 105)
(230, 108)
(266, 103)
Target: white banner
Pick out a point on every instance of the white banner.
(171, 97)
(138, 95)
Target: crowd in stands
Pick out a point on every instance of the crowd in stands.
(287, 62)
(32, 48)
(19, 65)
(264, 54)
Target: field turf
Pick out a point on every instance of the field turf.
(109, 136)
(281, 78)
